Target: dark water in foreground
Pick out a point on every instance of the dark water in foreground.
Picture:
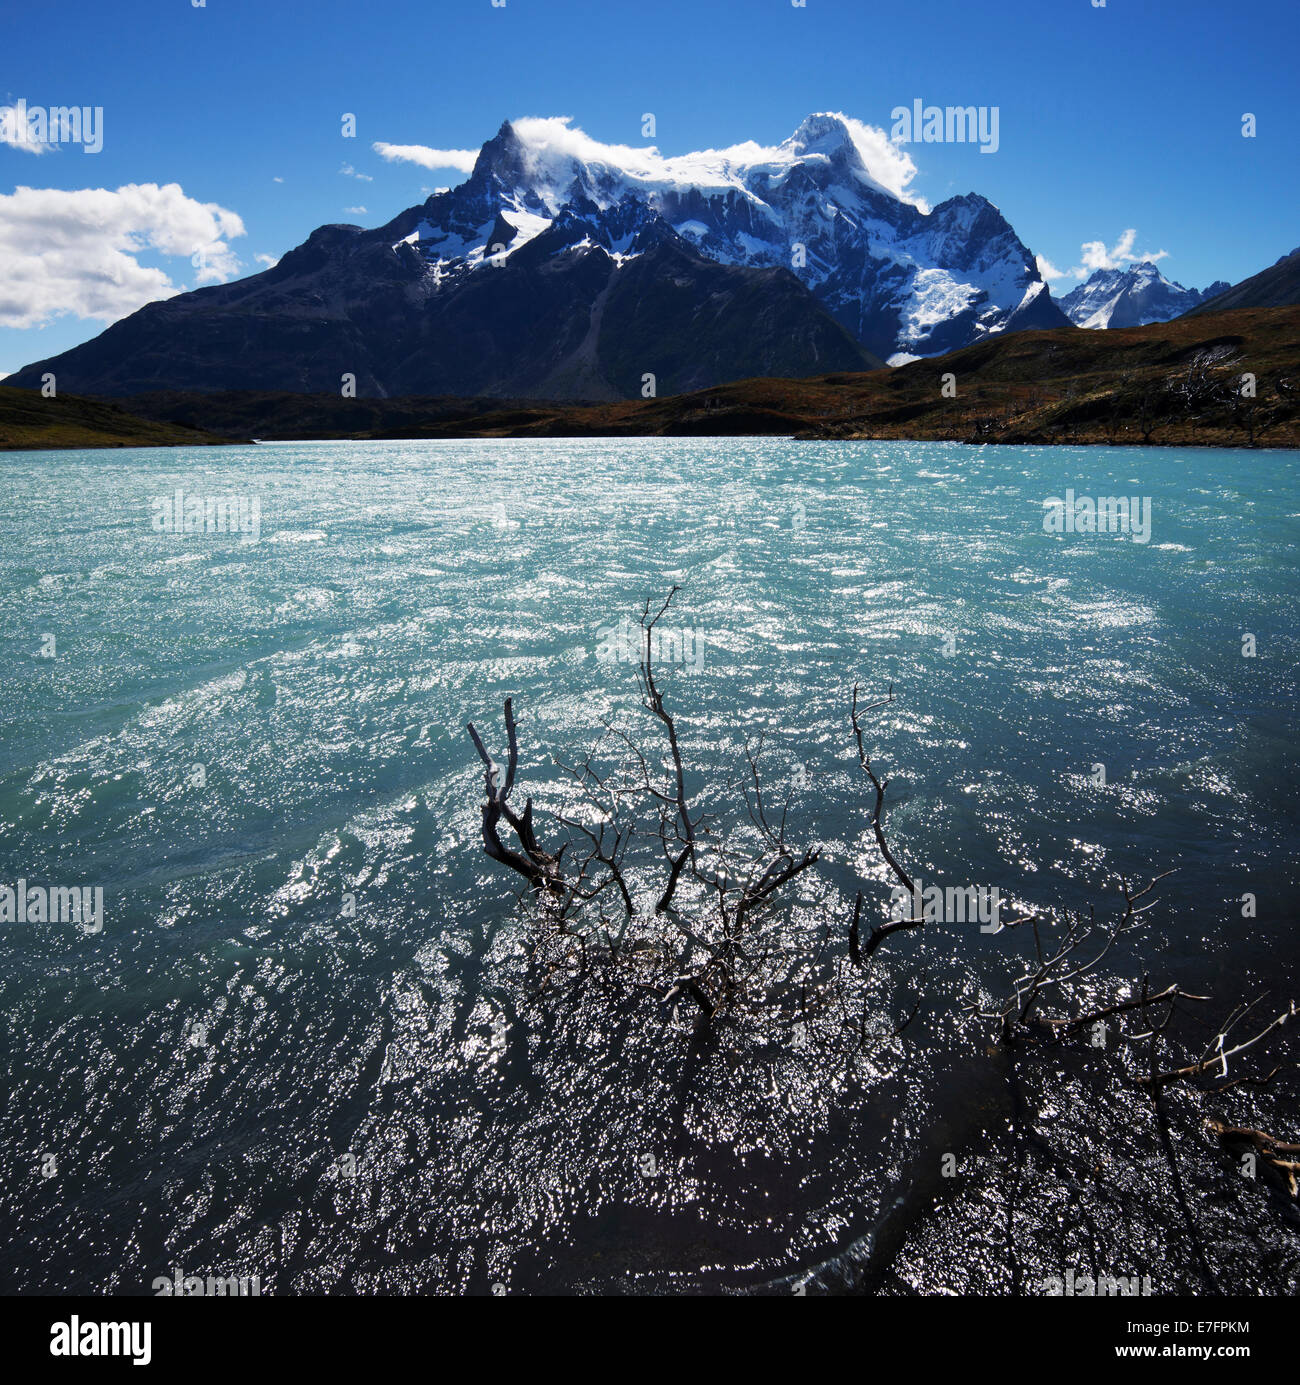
(243, 1074)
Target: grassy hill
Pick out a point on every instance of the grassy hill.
(29, 421)
(1173, 383)
(1270, 288)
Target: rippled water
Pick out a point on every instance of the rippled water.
(243, 1074)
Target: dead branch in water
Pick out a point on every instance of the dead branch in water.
(881, 931)
(1266, 1147)
(635, 808)
(1216, 1055)
(653, 892)
(535, 865)
(1053, 970)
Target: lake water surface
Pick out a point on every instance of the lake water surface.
(304, 1045)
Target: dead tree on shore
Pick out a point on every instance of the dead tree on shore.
(1248, 411)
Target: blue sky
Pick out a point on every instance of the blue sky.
(1127, 115)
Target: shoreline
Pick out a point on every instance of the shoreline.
(1227, 380)
(119, 444)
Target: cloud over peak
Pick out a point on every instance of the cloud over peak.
(1094, 256)
(553, 144)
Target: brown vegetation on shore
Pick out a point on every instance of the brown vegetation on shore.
(1219, 380)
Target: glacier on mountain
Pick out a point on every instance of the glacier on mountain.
(561, 268)
(1134, 296)
(832, 204)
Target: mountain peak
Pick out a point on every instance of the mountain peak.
(1130, 295)
(827, 133)
(502, 155)
(823, 223)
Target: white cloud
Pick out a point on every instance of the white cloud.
(887, 163)
(1048, 271)
(270, 261)
(277, 179)
(462, 159)
(75, 252)
(17, 138)
(356, 211)
(349, 172)
(553, 143)
(1093, 255)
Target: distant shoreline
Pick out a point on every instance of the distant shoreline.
(1173, 384)
(118, 446)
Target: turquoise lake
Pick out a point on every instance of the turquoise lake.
(299, 1047)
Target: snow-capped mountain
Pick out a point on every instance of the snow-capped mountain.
(830, 203)
(1132, 297)
(564, 268)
